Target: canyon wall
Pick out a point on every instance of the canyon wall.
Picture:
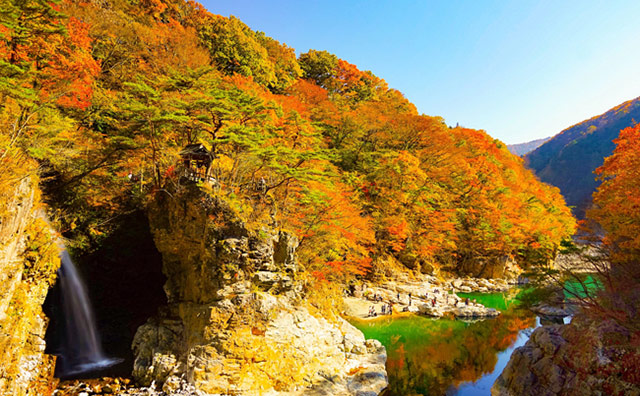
(236, 321)
(28, 265)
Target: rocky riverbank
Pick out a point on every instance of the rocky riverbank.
(427, 295)
(581, 358)
(562, 310)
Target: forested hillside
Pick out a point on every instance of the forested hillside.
(104, 95)
(570, 158)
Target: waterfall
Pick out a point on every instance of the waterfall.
(82, 350)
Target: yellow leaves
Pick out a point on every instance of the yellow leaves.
(617, 200)
(156, 7)
(223, 164)
(94, 231)
(42, 253)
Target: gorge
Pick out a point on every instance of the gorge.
(252, 220)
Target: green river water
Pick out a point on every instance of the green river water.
(450, 357)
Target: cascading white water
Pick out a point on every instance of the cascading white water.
(82, 350)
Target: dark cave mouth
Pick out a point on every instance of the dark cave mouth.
(124, 281)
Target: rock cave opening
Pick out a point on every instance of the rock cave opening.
(125, 285)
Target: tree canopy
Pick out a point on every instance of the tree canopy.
(99, 92)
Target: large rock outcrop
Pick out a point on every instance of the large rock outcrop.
(28, 264)
(503, 267)
(582, 358)
(235, 322)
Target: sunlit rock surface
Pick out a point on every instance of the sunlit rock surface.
(28, 264)
(581, 358)
(501, 267)
(429, 296)
(236, 322)
(549, 310)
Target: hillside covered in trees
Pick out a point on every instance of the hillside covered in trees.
(570, 158)
(104, 95)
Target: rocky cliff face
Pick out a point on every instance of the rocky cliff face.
(495, 268)
(235, 322)
(582, 358)
(28, 264)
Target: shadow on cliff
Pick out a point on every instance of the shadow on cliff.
(124, 279)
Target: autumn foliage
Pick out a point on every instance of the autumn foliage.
(617, 201)
(105, 94)
(616, 210)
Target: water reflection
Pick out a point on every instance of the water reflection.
(436, 357)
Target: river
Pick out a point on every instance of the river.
(450, 357)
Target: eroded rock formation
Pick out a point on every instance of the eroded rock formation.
(28, 264)
(582, 358)
(236, 322)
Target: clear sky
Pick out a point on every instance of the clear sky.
(520, 70)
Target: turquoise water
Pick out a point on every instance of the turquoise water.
(441, 356)
(499, 301)
(587, 286)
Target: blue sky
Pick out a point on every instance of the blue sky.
(520, 70)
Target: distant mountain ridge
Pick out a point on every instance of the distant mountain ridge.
(521, 149)
(569, 159)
